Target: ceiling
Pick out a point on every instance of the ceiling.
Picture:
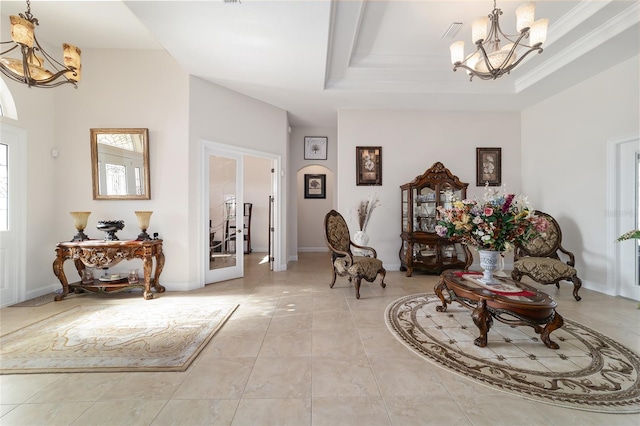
(315, 57)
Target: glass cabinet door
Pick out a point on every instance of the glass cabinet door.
(425, 210)
(405, 211)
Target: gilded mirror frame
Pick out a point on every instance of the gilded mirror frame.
(134, 183)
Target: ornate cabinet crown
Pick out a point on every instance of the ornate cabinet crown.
(422, 248)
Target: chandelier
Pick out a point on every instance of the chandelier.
(491, 59)
(29, 65)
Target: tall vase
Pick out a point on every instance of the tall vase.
(361, 239)
(489, 262)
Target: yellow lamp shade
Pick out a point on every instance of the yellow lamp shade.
(21, 31)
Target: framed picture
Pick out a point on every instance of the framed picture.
(315, 186)
(488, 166)
(315, 148)
(368, 165)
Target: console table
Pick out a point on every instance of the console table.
(103, 254)
(528, 306)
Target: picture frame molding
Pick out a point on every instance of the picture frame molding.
(482, 157)
(309, 141)
(311, 192)
(365, 177)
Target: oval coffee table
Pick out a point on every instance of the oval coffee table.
(517, 304)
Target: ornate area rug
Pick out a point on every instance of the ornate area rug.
(108, 338)
(589, 372)
(36, 301)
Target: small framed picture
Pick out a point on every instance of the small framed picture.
(488, 166)
(315, 148)
(315, 186)
(368, 165)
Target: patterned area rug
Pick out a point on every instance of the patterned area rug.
(36, 301)
(589, 372)
(107, 338)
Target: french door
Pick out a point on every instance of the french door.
(224, 244)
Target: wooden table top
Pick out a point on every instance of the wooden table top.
(530, 302)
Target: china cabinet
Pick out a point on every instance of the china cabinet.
(422, 249)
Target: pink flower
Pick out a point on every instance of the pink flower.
(488, 211)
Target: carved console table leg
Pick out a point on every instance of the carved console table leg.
(58, 270)
(545, 336)
(482, 318)
(439, 292)
(159, 265)
(147, 265)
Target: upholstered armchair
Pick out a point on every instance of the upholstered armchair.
(540, 259)
(343, 261)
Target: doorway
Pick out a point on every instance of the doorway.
(12, 213)
(624, 212)
(239, 186)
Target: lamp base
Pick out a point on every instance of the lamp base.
(143, 236)
(80, 236)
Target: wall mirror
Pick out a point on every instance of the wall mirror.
(120, 164)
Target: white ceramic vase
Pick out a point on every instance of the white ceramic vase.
(361, 239)
(489, 262)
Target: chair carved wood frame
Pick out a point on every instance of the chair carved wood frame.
(343, 261)
(539, 259)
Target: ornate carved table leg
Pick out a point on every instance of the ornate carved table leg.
(545, 336)
(159, 265)
(482, 318)
(58, 270)
(147, 265)
(439, 292)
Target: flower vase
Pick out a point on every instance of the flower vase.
(361, 239)
(489, 261)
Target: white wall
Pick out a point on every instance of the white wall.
(411, 142)
(257, 187)
(564, 159)
(150, 91)
(311, 211)
(304, 235)
(225, 117)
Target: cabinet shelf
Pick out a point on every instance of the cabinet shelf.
(422, 249)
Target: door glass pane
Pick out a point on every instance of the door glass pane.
(4, 187)
(222, 213)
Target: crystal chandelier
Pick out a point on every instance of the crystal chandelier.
(29, 65)
(491, 59)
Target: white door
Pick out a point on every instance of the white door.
(12, 212)
(224, 245)
(628, 211)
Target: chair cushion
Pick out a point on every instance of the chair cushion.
(544, 270)
(366, 267)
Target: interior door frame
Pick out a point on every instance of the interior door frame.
(613, 215)
(16, 138)
(276, 185)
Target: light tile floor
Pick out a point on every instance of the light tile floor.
(298, 353)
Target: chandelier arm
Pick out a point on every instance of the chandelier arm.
(15, 46)
(533, 49)
(474, 73)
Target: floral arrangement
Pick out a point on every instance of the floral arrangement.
(365, 210)
(633, 234)
(496, 222)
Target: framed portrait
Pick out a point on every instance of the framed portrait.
(368, 165)
(315, 147)
(488, 166)
(315, 186)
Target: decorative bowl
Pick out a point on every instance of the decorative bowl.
(110, 227)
